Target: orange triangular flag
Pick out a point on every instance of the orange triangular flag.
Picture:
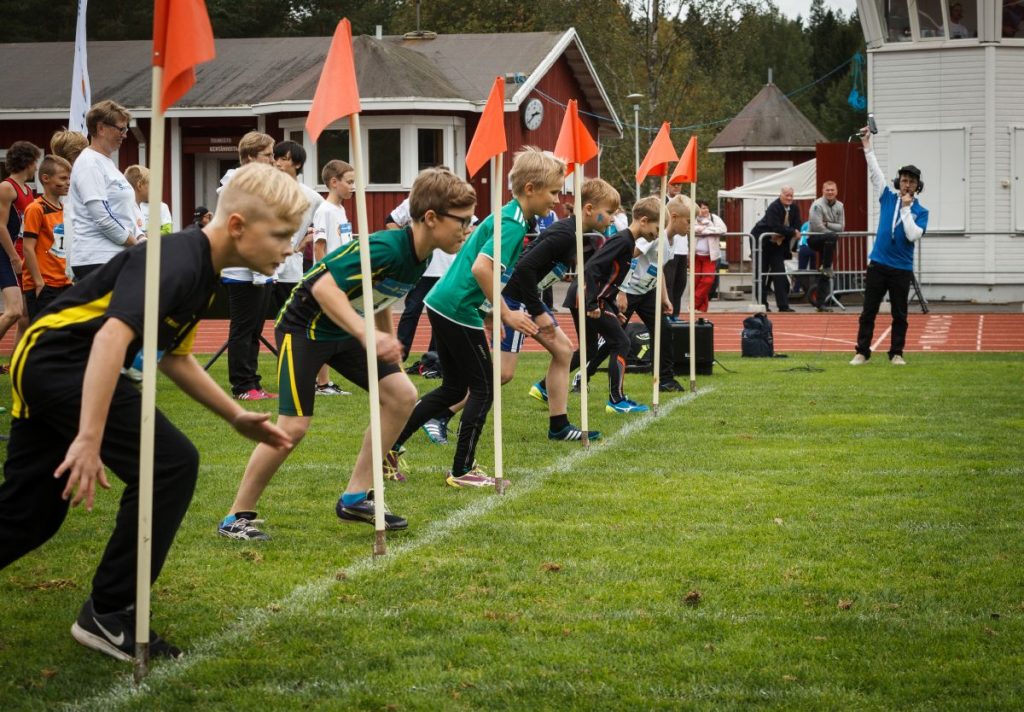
(489, 138)
(574, 144)
(660, 154)
(686, 169)
(182, 38)
(337, 93)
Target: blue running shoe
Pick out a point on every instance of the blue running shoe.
(625, 406)
(538, 391)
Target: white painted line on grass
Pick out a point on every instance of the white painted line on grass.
(308, 595)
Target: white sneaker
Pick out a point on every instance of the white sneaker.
(858, 360)
(897, 360)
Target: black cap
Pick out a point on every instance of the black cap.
(911, 170)
(201, 210)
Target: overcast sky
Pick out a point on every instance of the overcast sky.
(792, 8)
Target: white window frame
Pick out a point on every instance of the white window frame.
(454, 128)
(914, 20)
(1016, 179)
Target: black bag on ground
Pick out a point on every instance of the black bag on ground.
(638, 360)
(757, 340)
(430, 365)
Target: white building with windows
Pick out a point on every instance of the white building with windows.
(946, 86)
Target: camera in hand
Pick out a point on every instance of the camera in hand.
(872, 126)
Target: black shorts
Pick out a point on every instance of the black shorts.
(299, 360)
(7, 276)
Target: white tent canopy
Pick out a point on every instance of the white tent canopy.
(802, 177)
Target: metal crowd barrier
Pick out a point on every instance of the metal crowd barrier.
(849, 265)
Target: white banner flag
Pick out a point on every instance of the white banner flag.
(81, 93)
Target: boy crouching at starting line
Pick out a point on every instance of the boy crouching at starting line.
(322, 323)
(454, 310)
(544, 262)
(69, 397)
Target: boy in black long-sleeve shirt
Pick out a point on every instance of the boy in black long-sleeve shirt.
(603, 275)
(543, 263)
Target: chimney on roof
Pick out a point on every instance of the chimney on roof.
(769, 75)
(419, 34)
(379, 34)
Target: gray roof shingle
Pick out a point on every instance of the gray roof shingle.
(769, 121)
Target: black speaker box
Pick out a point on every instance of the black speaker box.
(705, 346)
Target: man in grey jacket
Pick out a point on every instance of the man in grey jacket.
(826, 219)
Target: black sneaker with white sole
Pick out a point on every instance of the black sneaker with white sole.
(113, 634)
(364, 512)
(242, 525)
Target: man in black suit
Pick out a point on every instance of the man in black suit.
(776, 229)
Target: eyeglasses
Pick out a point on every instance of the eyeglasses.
(466, 221)
(123, 130)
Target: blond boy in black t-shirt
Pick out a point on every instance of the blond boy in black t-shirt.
(74, 414)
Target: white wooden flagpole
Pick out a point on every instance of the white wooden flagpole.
(496, 211)
(379, 542)
(148, 417)
(581, 303)
(692, 256)
(659, 293)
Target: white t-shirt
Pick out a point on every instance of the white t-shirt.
(290, 271)
(165, 215)
(620, 221)
(401, 215)
(440, 261)
(238, 274)
(95, 177)
(331, 225)
(643, 275)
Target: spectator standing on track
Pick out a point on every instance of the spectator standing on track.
(676, 269)
(247, 292)
(69, 146)
(15, 196)
(776, 229)
(44, 275)
(103, 203)
(708, 229)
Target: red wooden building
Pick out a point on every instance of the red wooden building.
(769, 135)
(421, 94)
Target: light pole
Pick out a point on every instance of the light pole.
(635, 100)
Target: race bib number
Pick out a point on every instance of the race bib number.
(555, 275)
(385, 293)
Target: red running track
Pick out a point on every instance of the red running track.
(947, 333)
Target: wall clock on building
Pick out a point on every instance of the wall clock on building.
(533, 114)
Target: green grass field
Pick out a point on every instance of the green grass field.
(844, 539)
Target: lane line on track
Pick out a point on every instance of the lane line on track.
(309, 595)
(874, 346)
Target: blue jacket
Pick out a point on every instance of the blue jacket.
(892, 248)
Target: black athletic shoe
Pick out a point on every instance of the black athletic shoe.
(364, 511)
(571, 433)
(670, 386)
(113, 634)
